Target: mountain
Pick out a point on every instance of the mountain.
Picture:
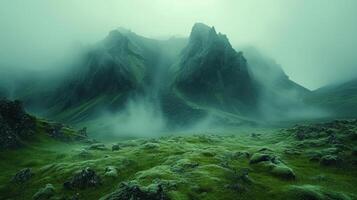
(339, 99)
(279, 97)
(122, 66)
(182, 80)
(213, 73)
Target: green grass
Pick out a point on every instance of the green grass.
(200, 166)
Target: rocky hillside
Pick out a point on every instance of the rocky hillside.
(15, 124)
(18, 129)
(212, 72)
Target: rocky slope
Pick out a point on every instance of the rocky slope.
(17, 128)
(212, 72)
(15, 124)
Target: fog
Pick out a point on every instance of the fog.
(308, 38)
(312, 41)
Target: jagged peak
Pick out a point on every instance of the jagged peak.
(116, 38)
(202, 31)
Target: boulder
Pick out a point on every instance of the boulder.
(111, 171)
(97, 146)
(115, 147)
(259, 157)
(84, 179)
(45, 193)
(23, 176)
(284, 172)
(151, 145)
(133, 191)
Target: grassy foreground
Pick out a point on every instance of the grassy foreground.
(303, 162)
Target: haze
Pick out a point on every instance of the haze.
(314, 41)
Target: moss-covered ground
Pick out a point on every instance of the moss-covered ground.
(204, 166)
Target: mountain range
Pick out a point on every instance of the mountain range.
(183, 79)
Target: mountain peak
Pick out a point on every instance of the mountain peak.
(202, 31)
(201, 27)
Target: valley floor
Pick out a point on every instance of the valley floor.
(302, 162)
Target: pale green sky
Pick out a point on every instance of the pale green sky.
(314, 40)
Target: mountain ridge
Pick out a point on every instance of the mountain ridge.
(200, 76)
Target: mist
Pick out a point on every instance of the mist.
(310, 42)
(308, 38)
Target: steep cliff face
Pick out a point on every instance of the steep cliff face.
(212, 72)
(112, 67)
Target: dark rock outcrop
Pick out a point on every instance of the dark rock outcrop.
(133, 191)
(84, 179)
(15, 124)
(22, 176)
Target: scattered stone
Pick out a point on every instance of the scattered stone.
(97, 146)
(22, 176)
(259, 157)
(115, 147)
(133, 191)
(284, 172)
(45, 193)
(150, 145)
(111, 171)
(84, 179)
(55, 131)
